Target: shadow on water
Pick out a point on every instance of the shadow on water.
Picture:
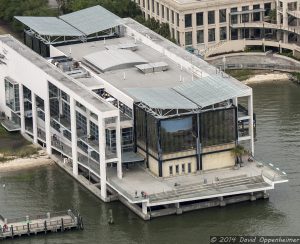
(50, 189)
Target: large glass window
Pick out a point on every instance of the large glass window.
(256, 15)
(199, 18)
(200, 36)
(223, 33)
(245, 17)
(177, 135)
(218, 127)
(188, 20)
(140, 127)
(211, 17)
(222, 15)
(152, 132)
(234, 18)
(267, 8)
(188, 38)
(12, 98)
(211, 35)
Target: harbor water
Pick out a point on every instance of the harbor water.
(49, 189)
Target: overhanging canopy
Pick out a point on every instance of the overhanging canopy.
(212, 89)
(161, 98)
(92, 20)
(49, 26)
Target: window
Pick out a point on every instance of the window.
(178, 37)
(183, 168)
(223, 33)
(256, 15)
(268, 8)
(148, 4)
(172, 16)
(153, 6)
(211, 17)
(234, 18)
(167, 10)
(211, 35)
(234, 34)
(177, 19)
(163, 11)
(157, 8)
(222, 15)
(200, 36)
(199, 18)
(171, 170)
(188, 38)
(245, 17)
(188, 20)
(189, 167)
(177, 169)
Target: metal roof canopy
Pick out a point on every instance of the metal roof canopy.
(92, 20)
(161, 98)
(212, 89)
(114, 59)
(49, 26)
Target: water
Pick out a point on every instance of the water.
(278, 133)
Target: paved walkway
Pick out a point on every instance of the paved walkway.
(273, 61)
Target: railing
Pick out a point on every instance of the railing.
(260, 66)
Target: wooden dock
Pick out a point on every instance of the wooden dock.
(44, 224)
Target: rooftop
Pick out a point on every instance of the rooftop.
(189, 81)
(87, 97)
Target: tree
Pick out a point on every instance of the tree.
(239, 151)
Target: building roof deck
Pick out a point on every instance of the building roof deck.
(71, 84)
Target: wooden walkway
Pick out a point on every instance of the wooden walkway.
(46, 223)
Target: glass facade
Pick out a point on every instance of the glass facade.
(218, 127)
(188, 20)
(211, 17)
(178, 134)
(222, 15)
(188, 38)
(199, 18)
(200, 36)
(12, 98)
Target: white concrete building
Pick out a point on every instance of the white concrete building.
(150, 122)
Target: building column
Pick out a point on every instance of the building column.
(47, 121)
(251, 131)
(34, 118)
(119, 147)
(74, 136)
(144, 208)
(22, 112)
(102, 145)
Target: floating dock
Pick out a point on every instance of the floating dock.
(40, 224)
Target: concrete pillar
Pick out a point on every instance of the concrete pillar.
(119, 147)
(222, 202)
(285, 21)
(251, 130)
(47, 122)
(22, 112)
(34, 118)
(252, 197)
(178, 209)
(74, 136)
(144, 208)
(102, 142)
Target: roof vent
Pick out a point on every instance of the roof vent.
(152, 67)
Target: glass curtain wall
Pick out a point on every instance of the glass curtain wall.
(218, 127)
(178, 134)
(12, 95)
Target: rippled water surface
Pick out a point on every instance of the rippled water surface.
(278, 141)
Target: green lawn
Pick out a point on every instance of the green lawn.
(14, 145)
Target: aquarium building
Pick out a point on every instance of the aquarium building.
(144, 121)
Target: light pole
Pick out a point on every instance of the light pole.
(224, 63)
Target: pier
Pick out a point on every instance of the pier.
(40, 224)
